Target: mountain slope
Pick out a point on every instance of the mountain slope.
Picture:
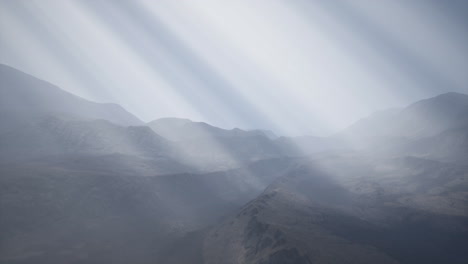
(435, 128)
(421, 119)
(351, 209)
(178, 129)
(53, 135)
(95, 145)
(42, 123)
(449, 146)
(53, 215)
(206, 146)
(23, 97)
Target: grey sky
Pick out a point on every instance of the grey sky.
(297, 67)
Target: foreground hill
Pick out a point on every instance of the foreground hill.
(351, 210)
(52, 215)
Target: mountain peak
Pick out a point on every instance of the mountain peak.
(445, 99)
(450, 103)
(424, 118)
(452, 95)
(24, 96)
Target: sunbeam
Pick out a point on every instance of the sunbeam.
(228, 132)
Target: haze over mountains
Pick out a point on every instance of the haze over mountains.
(27, 97)
(85, 182)
(47, 122)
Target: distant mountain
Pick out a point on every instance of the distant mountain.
(227, 152)
(448, 146)
(435, 128)
(433, 116)
(268, 133)
(422, 119)
(43, 124)
(308, 145)
(201, 144)
(178, 129)
(55, 135)
(24, 97)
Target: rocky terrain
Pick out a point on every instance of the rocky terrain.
(351, 210)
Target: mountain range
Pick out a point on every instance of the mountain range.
(86, 182)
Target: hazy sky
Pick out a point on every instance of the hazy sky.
(296, 67)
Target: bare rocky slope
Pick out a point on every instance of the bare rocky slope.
(351, 210)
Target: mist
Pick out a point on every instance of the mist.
(253, 132)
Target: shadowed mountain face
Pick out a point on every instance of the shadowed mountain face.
(52, 215)
(83, 182)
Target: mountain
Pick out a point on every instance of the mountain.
(389, 189)
(57, 125)
(434, 128)
(448, 146)
(178, 129)
(95, 145)
(24, 97)
(308, 145)
(422, 119)
(378, 193)
(54, 215)
(54, 135)
(227, 152)
(268, 133)
(205, 146)
(82, 183)
(351, 209)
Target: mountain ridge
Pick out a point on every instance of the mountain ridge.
(180, 129)
(25, 95)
